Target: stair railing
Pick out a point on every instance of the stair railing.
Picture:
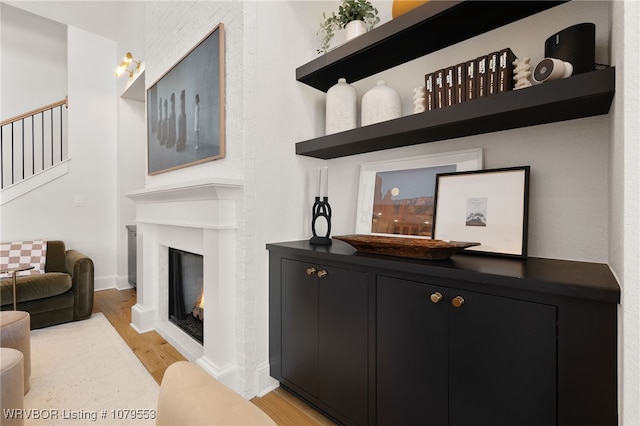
(32, 142)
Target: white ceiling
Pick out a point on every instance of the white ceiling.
(97, 16)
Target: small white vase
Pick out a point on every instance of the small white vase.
(380, 103)
(341, 108)
(355, 28)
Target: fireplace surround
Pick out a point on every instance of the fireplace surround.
(198, 217)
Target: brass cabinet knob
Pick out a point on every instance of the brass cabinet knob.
(436, 297)
(311, 271)
(322, 273)
(457, 301)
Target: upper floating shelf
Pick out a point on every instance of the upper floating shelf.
(426, 29)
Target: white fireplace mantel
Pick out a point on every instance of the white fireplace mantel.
(206, 204)
(199, 217)
(203, 189)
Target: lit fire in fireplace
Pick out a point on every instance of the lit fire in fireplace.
(198, 307)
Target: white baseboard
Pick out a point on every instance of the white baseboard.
(228, 374)
(110, 282)
(104, 283)
(122, 283)
(142, 320)
(266, 383)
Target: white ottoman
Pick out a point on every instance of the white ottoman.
(15, 332)
(12, 389)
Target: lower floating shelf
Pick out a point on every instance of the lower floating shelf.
(583, 95)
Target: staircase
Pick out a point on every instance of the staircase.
(33, 149)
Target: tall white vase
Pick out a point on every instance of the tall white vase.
(381, 103)
(341, 108)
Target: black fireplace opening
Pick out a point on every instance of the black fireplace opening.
(186, 292)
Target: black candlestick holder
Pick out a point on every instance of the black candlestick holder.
(321, 209)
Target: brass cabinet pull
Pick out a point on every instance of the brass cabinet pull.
(311, 271)
(457, 301)
(436, 297)
(322, 273)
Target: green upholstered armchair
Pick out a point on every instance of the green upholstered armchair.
(62, 294)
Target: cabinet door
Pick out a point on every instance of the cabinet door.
(412, 365)
(300, 325)
(502, 362)
(343, 341)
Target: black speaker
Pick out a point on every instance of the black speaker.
(576, 45)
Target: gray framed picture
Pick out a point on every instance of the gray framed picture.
(185, 109)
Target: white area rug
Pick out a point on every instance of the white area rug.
(83, 373)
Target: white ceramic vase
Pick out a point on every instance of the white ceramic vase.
(380, 103)
(355, 28)
(341, 108)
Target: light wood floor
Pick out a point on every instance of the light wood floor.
(156, 355)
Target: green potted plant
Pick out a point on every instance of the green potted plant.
(357, 16)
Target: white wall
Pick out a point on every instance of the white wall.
(122, 22)
(132, 134)
(285, 113)
(49, 212)
(33, 52)
(130, 175)
(101, 17)
(568, 216)
(262, 119)
(624, 201)
(569, 166)
(94, 132)
(172, 30)
(34, 61)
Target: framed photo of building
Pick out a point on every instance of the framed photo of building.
(185, 109)
(487, 206)
(396, 197)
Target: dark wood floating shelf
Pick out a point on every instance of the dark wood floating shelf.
(583, 95)
(426, 29)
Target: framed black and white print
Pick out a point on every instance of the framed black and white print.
(396, 197)
(485, 206)
(185, 109)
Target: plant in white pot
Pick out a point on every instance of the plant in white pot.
(355, 16)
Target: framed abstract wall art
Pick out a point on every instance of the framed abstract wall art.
(396, 197)
(185, 109)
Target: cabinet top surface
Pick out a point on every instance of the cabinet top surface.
(586, 280)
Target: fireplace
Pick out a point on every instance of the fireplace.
(186, 292)
(197, 217)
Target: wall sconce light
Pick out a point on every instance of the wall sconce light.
(128, 58)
